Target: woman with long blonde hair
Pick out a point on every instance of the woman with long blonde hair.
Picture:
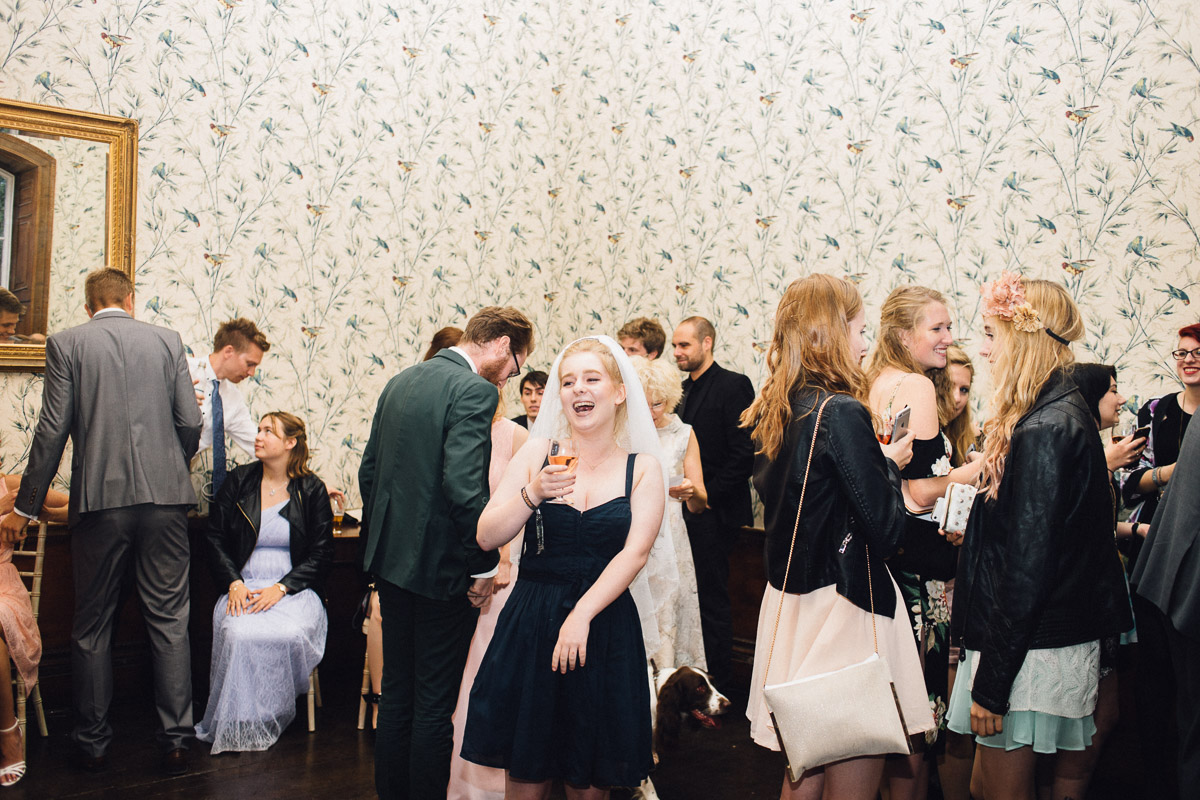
(955, 383)
(851, 520)
(1038, 582)
(906, 370)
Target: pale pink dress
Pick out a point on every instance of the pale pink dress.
(16, 618)
(821, 631)
(472, 781)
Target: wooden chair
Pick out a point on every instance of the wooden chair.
(34, 549)
(314, 699)
(366, 690)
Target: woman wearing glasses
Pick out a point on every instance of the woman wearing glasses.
(1168, 417)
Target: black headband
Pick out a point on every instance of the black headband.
(1057, 338)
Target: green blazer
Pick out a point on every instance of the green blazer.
(424, 478)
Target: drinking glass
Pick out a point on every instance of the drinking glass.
(563, 452)
(339, 510)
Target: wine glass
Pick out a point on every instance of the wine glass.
(339, 510)
(563, 452)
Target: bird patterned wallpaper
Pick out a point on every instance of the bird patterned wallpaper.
(354, 175)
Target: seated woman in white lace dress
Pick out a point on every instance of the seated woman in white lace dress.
(270, 545)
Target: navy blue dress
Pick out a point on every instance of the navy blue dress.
(591, 726)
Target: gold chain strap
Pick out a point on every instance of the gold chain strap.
(795, 528)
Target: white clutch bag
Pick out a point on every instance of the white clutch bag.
(952, 511)
(847, 713)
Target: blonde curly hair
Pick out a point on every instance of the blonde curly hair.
(661, 381)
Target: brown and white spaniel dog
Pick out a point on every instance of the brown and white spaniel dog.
(679, 693)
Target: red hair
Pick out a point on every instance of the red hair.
(1192, 331)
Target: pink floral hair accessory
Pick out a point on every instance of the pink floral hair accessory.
(1003, 295)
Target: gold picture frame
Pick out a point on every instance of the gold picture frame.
(121, 136)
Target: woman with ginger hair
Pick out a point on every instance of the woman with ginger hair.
(1039, 583)
(852, 519)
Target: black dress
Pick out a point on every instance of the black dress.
(591, 726)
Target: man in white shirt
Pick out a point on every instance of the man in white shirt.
(238, 349)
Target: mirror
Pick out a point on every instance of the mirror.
(68, 204)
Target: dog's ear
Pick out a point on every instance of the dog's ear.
(670, 701)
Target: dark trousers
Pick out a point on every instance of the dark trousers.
(425, 646)
(1185, 657)
(104, 544)
(711, 544)
(1155, 701)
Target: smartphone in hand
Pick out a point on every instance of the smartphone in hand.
(900, 427)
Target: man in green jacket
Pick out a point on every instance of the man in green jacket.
(424, 483)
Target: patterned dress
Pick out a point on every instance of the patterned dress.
(926, 599)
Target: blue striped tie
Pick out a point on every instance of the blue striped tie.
(218, 438)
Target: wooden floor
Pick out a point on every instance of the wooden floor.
(337, 761)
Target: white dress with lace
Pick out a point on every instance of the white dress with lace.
(261, 662)
(681, 643)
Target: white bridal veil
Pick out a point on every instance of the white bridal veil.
(658, 582)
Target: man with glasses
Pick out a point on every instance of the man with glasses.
(423, 481)
(1142, 488)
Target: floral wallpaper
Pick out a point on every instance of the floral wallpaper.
(354, 175)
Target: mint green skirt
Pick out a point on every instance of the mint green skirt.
(1045, 733)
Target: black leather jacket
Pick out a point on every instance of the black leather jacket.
(1038, 568)
(236, 514)
(853, 500)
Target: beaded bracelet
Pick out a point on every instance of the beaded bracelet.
(528, 502)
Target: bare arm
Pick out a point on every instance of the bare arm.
(506, 512)
(694, 472)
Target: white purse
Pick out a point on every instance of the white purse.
(952, 511)
(847, 713)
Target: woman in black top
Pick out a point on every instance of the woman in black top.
(852, 519)
(1168, 417)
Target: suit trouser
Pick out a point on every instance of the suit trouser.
(1185, 656)
(425, 647)
(1155, 701)
(104, 544)
(711, 544)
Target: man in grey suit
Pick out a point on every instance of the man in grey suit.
(122, 392)
(424, 483)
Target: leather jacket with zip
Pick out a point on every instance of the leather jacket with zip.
(235, 516)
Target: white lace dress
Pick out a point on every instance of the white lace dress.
(261, 662)
(679, 621)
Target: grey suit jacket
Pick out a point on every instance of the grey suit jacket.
(121, 390)
(1168, 568)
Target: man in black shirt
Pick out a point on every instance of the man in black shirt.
(713, 401)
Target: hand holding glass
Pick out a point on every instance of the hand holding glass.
(563, 453)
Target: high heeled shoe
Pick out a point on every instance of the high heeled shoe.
(10, 775)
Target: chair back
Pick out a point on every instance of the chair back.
(29, 555)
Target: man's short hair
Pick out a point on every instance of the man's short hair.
(703, 328)
(241, 333)
(9, 304)
(647, 331)
(490, 323)
(106, 287)
(536, 377)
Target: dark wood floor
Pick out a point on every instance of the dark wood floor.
(337, 761)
